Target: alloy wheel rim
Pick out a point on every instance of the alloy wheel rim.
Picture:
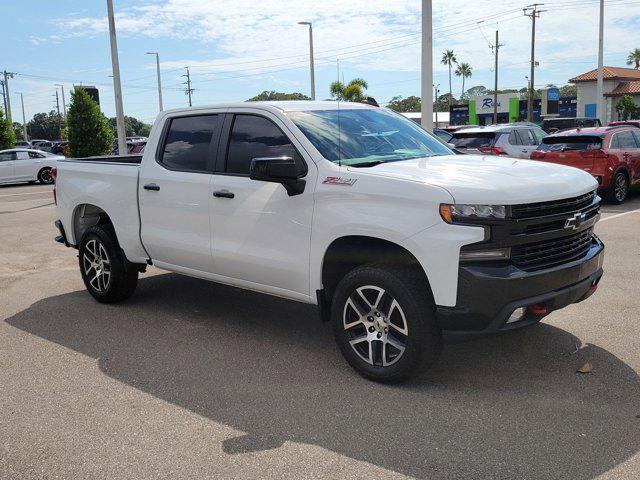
(376, 325)
(97, 267)
(46, 176)
(621, 187)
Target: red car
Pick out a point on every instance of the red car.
(632, 123)
(611, 154)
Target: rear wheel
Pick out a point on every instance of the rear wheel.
(45, 177)
(619, 188)
(107, 274)
(384, 323)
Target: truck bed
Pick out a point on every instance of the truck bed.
(109, 183)
(134, 159)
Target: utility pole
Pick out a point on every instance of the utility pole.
(435, 95)
(24, 121)
(188, 90)
(313, 81)
(600, 83)
(115, 65)
(532, 12)
(4, 98)
(496, 47)
(159, 82)
(59, 117)
(64, 103)
(7, 75)
(426, 68)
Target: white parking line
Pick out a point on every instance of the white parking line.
(26, 193)
(619, 215)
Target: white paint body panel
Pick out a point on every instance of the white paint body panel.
(266, 241)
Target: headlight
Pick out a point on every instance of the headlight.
(450, 213)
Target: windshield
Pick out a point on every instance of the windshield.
(362, 137)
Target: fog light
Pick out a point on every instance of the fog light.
(517, 314)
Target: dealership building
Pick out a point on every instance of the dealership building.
(618, 81)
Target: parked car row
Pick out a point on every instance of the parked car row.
(610, 154)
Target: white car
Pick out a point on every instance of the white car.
(27, 165)
(515, 140)
(350, 207)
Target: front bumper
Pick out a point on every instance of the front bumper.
(488, 295)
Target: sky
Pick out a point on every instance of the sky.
(236, 48)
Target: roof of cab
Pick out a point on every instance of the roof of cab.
(283, 106)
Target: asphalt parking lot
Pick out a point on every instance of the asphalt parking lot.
(190, 379)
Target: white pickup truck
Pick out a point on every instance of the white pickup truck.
(347, 206)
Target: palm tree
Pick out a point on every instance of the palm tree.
(449, 58)
(352, 92)
(464, 71)
(634, 57)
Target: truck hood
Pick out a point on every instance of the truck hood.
(490, 179)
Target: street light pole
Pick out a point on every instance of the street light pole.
(122, 140)
(64, 104)
(600, 82)
(159, 82)
(313, 80)
(426, 73)
(24, 121)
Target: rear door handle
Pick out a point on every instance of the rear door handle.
(152, 186)
(223, 194)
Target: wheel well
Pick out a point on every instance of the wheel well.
(86, 216)
(346, 253)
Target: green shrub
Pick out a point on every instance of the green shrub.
(87, 128)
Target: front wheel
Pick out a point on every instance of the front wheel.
(107, 274)
(384, 322)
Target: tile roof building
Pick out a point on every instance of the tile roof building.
(618, 81)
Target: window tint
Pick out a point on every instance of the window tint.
(527, 137)
(473, 140)
(636, 134)
(514, 138)
(615, 142)
(539, 134)
(188, 142)
(626, 140)
(254, 137)
(7, 156)
(35, 155)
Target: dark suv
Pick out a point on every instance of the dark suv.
(553, 125)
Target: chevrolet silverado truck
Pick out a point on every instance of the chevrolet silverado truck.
(346, 206)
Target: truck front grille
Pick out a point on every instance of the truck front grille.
(548, 253)
(554, 207)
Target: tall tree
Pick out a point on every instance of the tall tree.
(132, 127)
(409, 104)
(351, 92)
(7, 135)
(274, 96)
(449, 59)
(634, 57)
(478, 90)
(89, 131)
(45, 126)
(463, 70)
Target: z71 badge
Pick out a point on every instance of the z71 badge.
(345, 182)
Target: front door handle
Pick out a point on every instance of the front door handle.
(152, 186)
(223, 194)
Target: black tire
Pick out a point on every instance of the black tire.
(619, 189)
(122, 278)
(423, 339)
(45, 177)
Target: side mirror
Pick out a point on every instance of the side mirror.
(281, 170)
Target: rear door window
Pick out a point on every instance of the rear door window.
(626, 139)
(473, 140)
(35, 155)
(7, 156)
(188, 145)
(514, 138)
(636, 134)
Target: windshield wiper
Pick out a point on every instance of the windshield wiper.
(372, 163)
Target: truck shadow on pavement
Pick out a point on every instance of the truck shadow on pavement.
(510, 406)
